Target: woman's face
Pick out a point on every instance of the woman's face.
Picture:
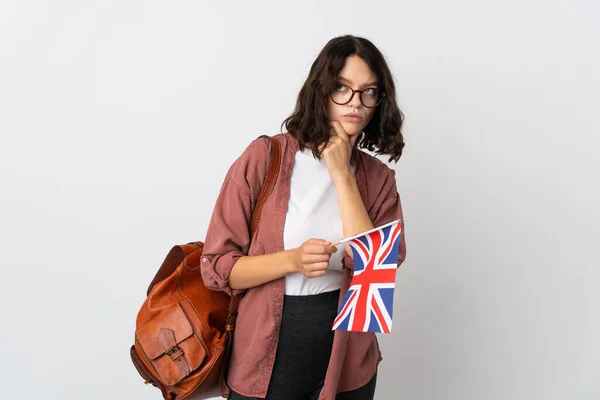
(353, 116)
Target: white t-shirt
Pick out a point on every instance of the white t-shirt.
(313, 212)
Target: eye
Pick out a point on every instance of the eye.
(371, 91)
(339, 87)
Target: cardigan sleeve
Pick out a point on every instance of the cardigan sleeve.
(386, 208)
(228, 234)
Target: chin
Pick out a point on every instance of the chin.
(352, 129)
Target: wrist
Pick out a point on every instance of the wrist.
(291, 265)
(343, 178)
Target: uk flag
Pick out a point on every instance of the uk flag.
(368, 304)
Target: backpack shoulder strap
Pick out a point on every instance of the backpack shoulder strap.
(268, 183)
(265, 191)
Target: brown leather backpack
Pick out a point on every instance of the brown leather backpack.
(184, 330)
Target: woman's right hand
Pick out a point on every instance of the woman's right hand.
(312, 257)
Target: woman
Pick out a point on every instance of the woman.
(291, 278)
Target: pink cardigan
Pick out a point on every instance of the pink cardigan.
(355, 355)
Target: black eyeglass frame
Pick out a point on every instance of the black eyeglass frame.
(382, 95)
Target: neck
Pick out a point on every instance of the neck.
(353, 139)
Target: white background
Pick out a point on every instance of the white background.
(119, 120)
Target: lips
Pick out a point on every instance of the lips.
(353, 117)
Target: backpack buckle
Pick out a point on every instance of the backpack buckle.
(174, 352)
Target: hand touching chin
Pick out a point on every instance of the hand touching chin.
(351, 129)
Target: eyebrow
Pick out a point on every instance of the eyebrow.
(372, 83)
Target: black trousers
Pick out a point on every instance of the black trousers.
(304, 349)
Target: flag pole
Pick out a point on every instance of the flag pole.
(364, 233)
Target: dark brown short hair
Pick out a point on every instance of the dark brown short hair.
(309, 124)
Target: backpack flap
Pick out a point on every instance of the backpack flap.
(170, 345)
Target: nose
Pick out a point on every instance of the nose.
(355, 100)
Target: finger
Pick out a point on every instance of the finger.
(318, 266)
(336, 140)
(318, 241)
(308, 258)
(315, 258)
(333, 141)
(334, 127)
(329, 249)
(317, 274)
(324, 248)
(339, 129)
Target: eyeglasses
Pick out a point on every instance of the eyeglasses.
(343, 94)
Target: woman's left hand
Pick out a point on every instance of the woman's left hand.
(337, 152)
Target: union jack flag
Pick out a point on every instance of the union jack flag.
(368, 304)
